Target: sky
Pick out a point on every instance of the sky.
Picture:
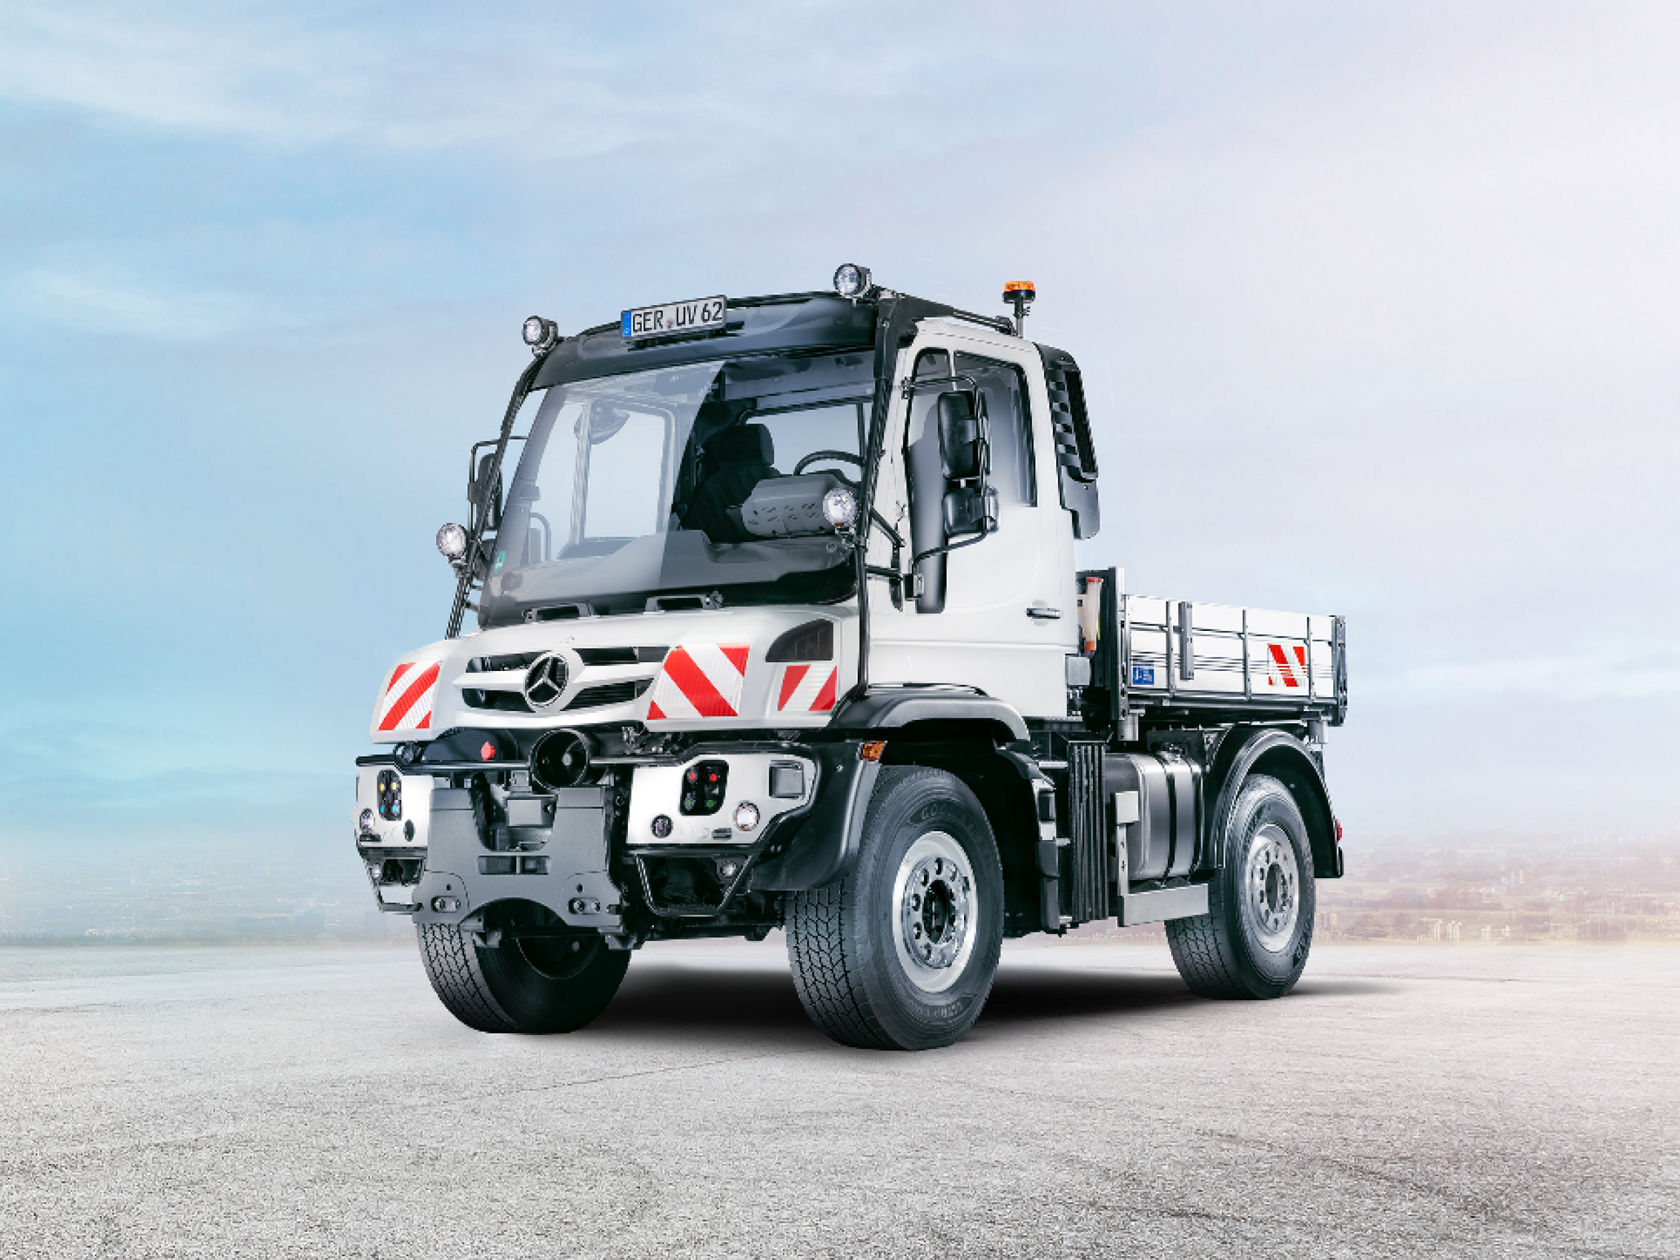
(1377, 306)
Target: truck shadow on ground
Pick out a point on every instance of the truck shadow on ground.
(759, 1003)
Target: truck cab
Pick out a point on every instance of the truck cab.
(777, 624)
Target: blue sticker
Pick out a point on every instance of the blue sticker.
(501, 560)
(1143, 675)
(624, 324)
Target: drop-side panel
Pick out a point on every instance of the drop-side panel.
(1228, 655)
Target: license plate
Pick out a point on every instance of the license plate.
(674, 318)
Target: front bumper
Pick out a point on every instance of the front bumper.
(443, 846)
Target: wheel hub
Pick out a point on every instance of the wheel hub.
(1272, 885)
(933, 894)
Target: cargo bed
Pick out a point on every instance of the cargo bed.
(1159, 654)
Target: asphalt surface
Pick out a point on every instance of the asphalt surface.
(317, 1101)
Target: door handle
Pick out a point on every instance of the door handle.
(1040, 611)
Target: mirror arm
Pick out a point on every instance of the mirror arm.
(892, 534)
(463, 585)
(961, 378)
(947, 548)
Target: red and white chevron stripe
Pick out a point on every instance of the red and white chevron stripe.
(699, 680)
(806, 689)
(406, 702)
(1283, 672)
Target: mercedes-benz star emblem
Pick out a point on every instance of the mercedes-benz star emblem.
(545, 681)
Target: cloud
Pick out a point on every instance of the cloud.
(105, 304)
(542, 83)
(117, 302)
(277, 78)
(1596, 671)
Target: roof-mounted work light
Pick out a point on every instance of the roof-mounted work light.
(541, 333)
(852, 280)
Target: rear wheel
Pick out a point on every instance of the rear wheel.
(900, 954)
(534, 984)
(1254, 940)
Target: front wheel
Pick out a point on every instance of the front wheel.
(900, 953)
(1253, 942)
(531, 984)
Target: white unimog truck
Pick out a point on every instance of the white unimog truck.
(779, 626)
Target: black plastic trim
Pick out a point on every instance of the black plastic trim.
(1287, 759)
(795, 321)
(809, 641)
(891, 708)
(826, 842)
(1076, 455)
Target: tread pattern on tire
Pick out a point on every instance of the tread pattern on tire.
(451, 962)
(1204, 948)
(1200, 953)
(825, 957)
(824, 961)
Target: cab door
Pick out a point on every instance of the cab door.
(1008, 618)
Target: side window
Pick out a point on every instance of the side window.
(622, 500)
(1004, 387)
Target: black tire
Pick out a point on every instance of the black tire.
(844, 940)
(530, 985)
(1240, 948)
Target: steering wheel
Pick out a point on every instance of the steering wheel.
(814, 456)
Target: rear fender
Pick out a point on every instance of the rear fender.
(1279, 754)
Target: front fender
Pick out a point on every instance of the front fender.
(826, 841)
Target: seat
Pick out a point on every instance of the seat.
(736, 460)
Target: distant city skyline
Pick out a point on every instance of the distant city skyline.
(1375, 306)
(1468, 889)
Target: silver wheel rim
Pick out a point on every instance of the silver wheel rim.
(1272, 884)
(934, 912)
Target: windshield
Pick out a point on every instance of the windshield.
(694, 479)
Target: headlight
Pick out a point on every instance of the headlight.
(366, 821)
(746, 815)
(452, 542)
(840, 508)
(852, 280)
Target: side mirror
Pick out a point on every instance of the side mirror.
(475, 489)
(949, 498)
(962, 440)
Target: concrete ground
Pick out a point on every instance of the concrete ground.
(318, 1101)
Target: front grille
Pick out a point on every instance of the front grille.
(589, 698)
(491, 664)
(609, 693)
(622, 655)
(502, 701)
